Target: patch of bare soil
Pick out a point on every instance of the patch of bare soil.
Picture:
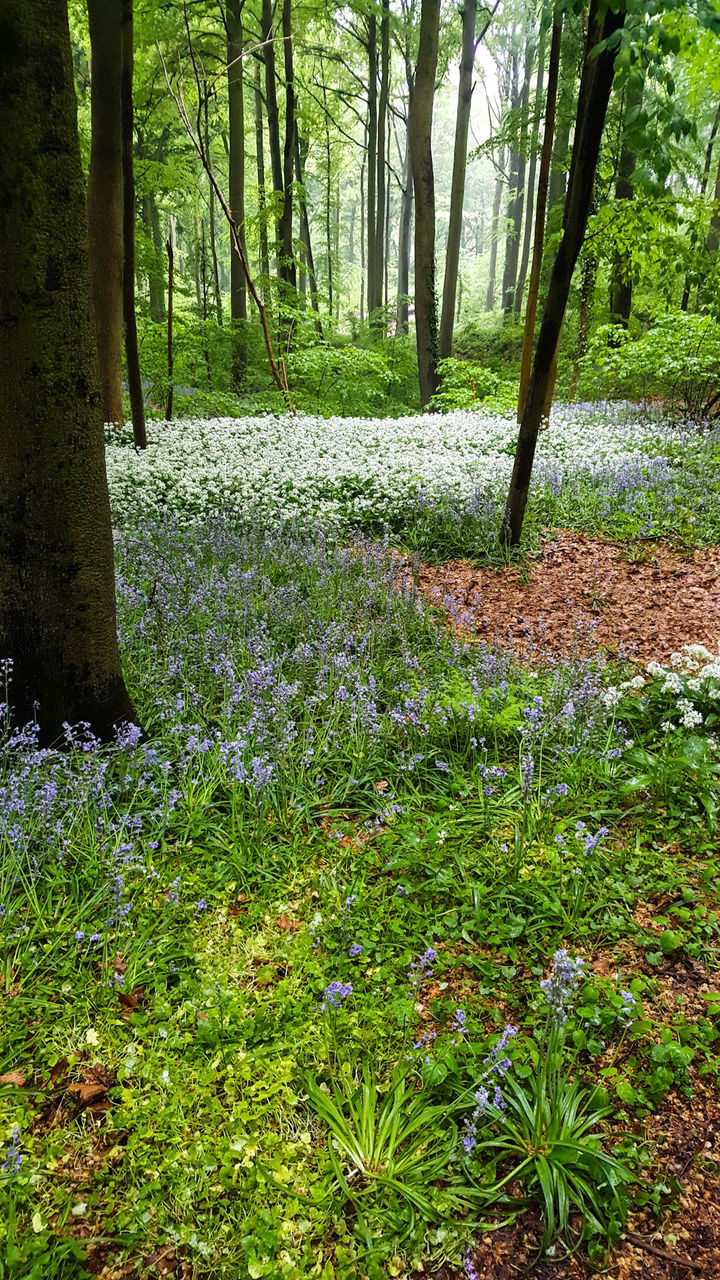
(640, 601)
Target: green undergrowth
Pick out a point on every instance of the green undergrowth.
(257, 968)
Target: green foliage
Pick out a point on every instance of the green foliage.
(465, 384)
(489, 343)
(352, 380)
(677, 359)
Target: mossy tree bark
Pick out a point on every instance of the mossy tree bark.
(105, 198)
(57, 597)
(457, 188)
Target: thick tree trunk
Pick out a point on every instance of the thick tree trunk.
(530, 191)
(236, 181)
(595, 87)
(105, 198)
(132, 354)
(421, 114)
(495, 233)
(457, 188)
(540, 208)
(406, 202)
(57, 596)
(621, 282)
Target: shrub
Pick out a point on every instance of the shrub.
(464, 384)
(678, 359)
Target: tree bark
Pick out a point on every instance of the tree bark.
(105, 198)
(406, 202)
(171, 285)
(273, 120)
(703, 188)
(517, 186)
(457, 187)
(421, 114)
(595, 87)
(589, 274)
(156, 290)
(621, 281)
(57, 595)
(287, 261)
(713, 239)
(305, 229)
(132, 354)
(375, 299)
(530, 192)
(260, 166)
(373, 275)
(494, 234)
(236, 181)
(540, 208)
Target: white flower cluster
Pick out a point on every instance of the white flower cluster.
(322, 468)
(693, 674)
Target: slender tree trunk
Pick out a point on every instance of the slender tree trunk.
(305, 228)
(527, 235)
(373, 274)
(260, 165)
(540, 209)
(328, 202)
(105, 198)
(421, 114)
(375, 299)
(211, 220)
(621, 282)
(517, 188)
(713, 239)
(151, 218)
(171, 284)
(589, 274)
(457, 188)
(703, 188)
(287, 271)
(132, 354)
(406, 202)
(273, 120)
(495, 233)
(363, 241)
(595, 88)
(236, 181)
(57, 593)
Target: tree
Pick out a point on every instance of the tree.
(421, 113)
(132, 354)
(457, 190)
(236, 177)
(57, 597)
(595, 86)
(105, 198)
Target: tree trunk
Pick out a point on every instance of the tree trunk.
(377, 275)
(287, 261)
(260, 165)
(236, 182)
(305, 228)
(495, 234)
(517, 188)
(132, 354)
(703, 188)
(211, 218)
(621, 281)
(421, 114)
(151, 218)
(713, 239)
(105, 198)
(171, 285)
(273, 119)
(373, 275)
(457, 188)
(542, 195)
(589, 273)
(595, 87)
(406, 202)
(57, 593)
(530, 192)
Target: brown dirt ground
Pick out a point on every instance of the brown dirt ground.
(640, 601)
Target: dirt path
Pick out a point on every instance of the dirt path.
(638, 601)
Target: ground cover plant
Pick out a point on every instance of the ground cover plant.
(360, 950)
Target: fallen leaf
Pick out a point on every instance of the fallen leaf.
(131, 1000)
(88, 1092)
(14, 1077)
(289, 926)
(382, 785)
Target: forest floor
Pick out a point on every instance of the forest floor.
(383, 799)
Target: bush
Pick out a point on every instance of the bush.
(353, 381)
(464, 384)
(493, 345)
(677, 359)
